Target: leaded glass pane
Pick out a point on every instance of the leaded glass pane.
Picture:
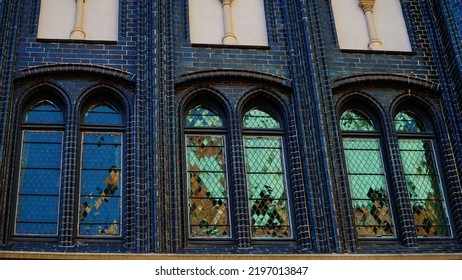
(354, 120)
(102, 114)
(100, 192)
(202, 117)
(266, 186)
(428, 205)
(405, 122)
(39, 183)
(257, 118)
(368, 188)
(44, 112)
(207, 187)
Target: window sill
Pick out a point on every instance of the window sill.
(223, 46)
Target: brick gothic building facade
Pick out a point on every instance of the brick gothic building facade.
(231, 127)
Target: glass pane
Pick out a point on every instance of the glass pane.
(44, 112)
(102, 114)
(354, 120)
(423, 182)
(39, 183)
(368, 188)
(405, 122)
(202, 117)
(207, 186)
(100, 192)
(256, 118)
(268, 203)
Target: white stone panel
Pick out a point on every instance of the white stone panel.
(352, 31)
(250, 22)
(206, 21)
(57, 19)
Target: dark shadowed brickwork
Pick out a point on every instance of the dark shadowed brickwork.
(180, 190)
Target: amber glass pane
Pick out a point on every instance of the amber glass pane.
(207, 187)
(268, 203)
(368, 188)
(428, 205)
(354, 120)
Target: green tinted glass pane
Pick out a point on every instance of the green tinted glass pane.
(256, 118)
(405, 122)
(39, 183)
(44, 112)
(202, 117)
(354, 120)
(424, 186)
(368, 188)
(207, 186)
(100, 192)
(268, 203)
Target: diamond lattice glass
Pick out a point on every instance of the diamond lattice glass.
(354, 120)
(207, 187)
(368, 188)
(268, 203)
(102, 114)
(257, 118)
(203, 117)
(44, 112)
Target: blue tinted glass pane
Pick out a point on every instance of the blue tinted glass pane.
(44, 112)
(354, 120)
(102, 114)
(202, 117)
(406, 122)
(39, 182)
(102, 150)
(100, 191)
(256, 118)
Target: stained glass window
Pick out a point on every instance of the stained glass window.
(208, 202)
(100, 198)
(366, 177)
(266, 182)
(422, 177)
(39, 173)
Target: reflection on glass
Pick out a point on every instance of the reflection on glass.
(256, 118)
(202, 117)
(39, 182)
(268, 204)
(423, 183)
(207, 187)
(366, 178)
(405, 122)
(100, 192)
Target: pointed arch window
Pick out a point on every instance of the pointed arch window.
(39, 180)
(266, 175)
(100, 196)
(416, 144)
(207, 183)
(366, 175)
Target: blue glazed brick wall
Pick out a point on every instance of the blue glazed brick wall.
(120, 55)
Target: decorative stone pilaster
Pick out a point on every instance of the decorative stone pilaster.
(229, 38)
(78, 31)
(367, 7)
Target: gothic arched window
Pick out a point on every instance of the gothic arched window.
(268, 203)
(416, 145)
(39, 180)
(366, 175)
(100, 196)
(207, 183)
